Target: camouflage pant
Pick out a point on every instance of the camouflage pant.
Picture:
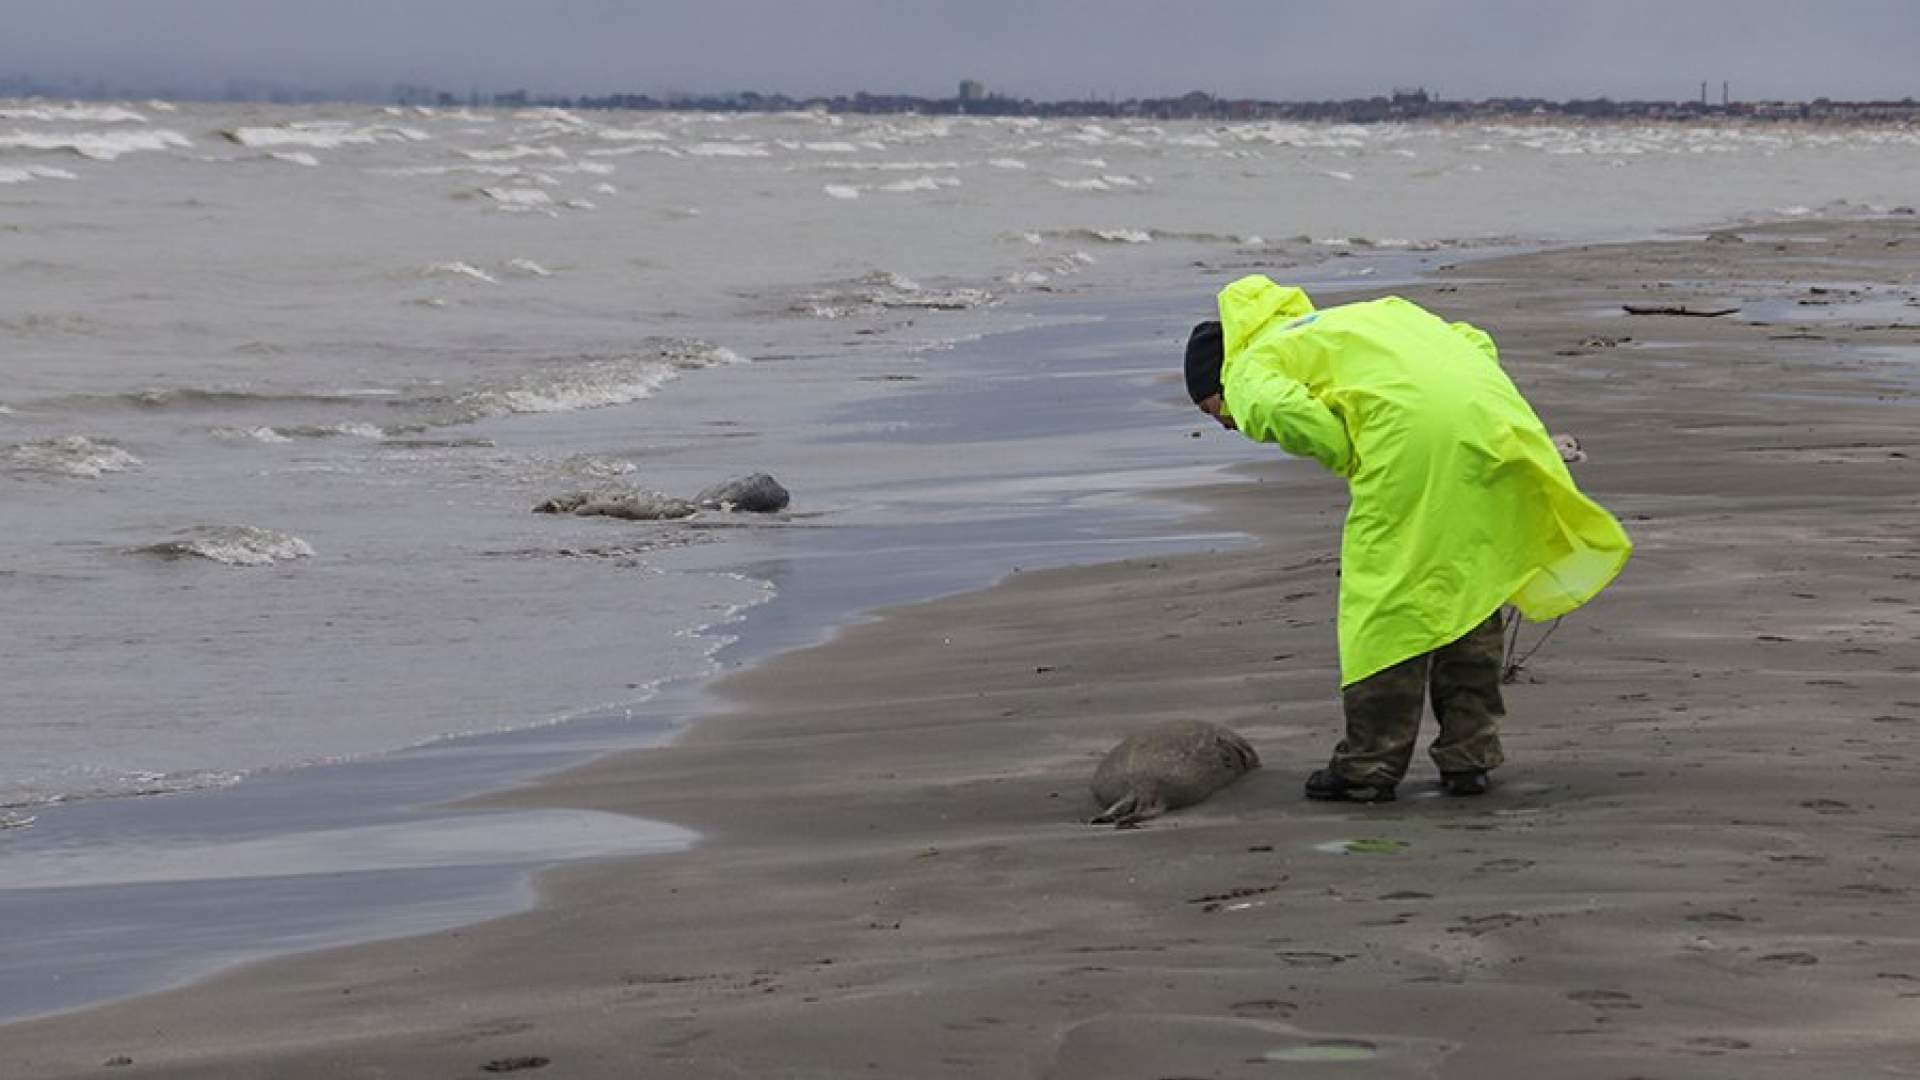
(1383, 711)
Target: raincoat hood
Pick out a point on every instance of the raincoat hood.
(1247, 306)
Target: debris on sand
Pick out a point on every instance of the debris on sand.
(1680, 309)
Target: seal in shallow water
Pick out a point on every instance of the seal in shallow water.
(1169, 765)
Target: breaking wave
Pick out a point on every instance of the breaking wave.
(33, 172)
(320, 135)
(289, 432)
(99, 146)
(74, 456)
(516, 152)
(94, 114)
(584, 384)
(520, 199)
(232, 545)
(195, 397)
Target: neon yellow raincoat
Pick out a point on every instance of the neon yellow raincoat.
(1460, 501)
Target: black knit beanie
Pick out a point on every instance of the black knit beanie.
(1206, 353)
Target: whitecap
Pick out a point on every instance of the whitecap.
(516, 152)
(622, 151)
(100, 146)
(232, 545)
(842, 191)
(255, 434)
(320, 135)
(1014, 164)
(162, 106)
(1122, 236)
(831, 147)
(580, 204)
(528, 267)
(1338, 174)
(723, 149)
(295, 157)
(97, 114)
(1092, 184)
(461, 269)
(518, 198)
(921, 183)
(605, 189)
(632, 135)
(74, 456)
(33, 172)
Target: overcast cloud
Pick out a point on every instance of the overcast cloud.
(1025, 48)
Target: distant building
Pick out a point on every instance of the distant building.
(972, 90)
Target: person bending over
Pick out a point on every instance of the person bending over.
(1461, 505)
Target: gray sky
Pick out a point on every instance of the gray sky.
(1026, 48)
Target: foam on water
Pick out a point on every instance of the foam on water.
(100, 146)
(75, 456)
(294, 157)
(884, 289)
(232, 545)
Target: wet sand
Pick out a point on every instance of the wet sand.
(1699, 861)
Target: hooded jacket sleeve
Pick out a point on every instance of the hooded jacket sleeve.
(1267, 406)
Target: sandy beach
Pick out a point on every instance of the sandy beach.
(1699, 862)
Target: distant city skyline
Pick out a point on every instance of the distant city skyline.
(1041, 49)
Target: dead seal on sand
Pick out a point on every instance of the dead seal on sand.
(1169, 765)
(757, 494)
(629, 504)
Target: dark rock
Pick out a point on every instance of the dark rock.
(758, 493)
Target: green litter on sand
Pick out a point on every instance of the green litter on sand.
(1366, 845)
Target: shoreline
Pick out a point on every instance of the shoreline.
(971, 835)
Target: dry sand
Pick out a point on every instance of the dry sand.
(1700, 862)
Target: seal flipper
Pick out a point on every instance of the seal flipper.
(1129, 811)
(1118, 812)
